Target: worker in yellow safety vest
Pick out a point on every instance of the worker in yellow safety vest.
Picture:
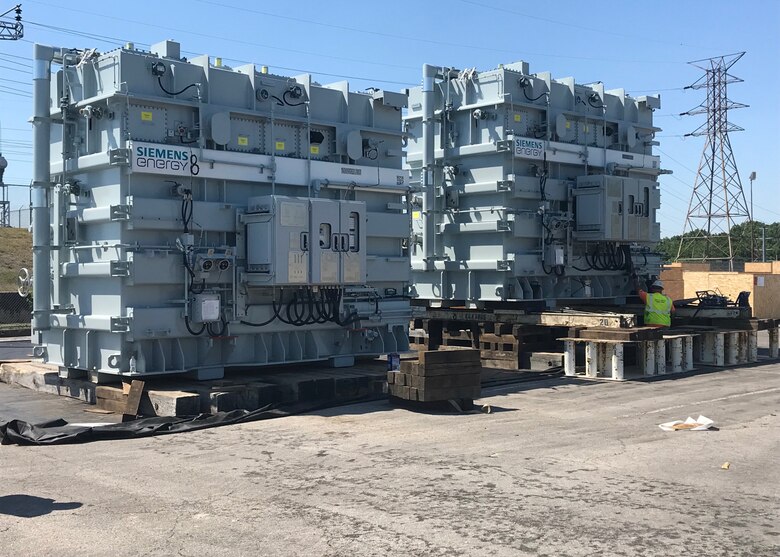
(658, 306)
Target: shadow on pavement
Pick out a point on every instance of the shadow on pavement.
(30, 506)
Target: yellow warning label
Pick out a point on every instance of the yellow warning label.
(416, 215)
(146, 116)
(568, 125)
(243, 140)
(315, 149)
(518, 117)
(279, 146)
(587, 129)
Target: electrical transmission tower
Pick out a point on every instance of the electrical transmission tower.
(12, 30)
(718, 200)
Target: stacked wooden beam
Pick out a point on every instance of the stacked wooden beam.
(437, 376)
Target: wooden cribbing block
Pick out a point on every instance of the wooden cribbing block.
(450, 393)
(416, 368)
(444, 381)
(120, 400)
(635, 334)
(465, 356)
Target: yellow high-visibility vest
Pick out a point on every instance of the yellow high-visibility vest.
(658, 309)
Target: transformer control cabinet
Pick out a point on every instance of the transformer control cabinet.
(614, 208)
(306, 241)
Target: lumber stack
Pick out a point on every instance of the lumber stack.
(437, 376)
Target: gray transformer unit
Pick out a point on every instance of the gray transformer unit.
(190, 217)
(529, 188)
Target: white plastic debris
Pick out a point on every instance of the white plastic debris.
(699, 424)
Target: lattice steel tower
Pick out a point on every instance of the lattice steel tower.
(717, 201)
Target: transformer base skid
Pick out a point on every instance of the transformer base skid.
(78, 354)
(238, 390)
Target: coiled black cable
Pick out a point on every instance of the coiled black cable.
(159, 80)
(190, 329)
(532, 99)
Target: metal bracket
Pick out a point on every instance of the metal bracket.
(120, 268)
(504, 185)
(120, 324)
(119, 157)
(503, 265)
(503, 145)
(120, 212)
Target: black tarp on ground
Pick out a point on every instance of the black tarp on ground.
(58, 432)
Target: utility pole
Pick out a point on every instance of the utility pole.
(752, 219)
(717, 200)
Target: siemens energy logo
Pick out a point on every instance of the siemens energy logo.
(160, 159)
(529, 148)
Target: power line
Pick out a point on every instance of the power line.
(15, 69)
(15, 89)
(230, 39)
(2, 57)
(15, 56)
(113, 41)
(574, 25)
(670, 157)
(656, 90)
(6, 80)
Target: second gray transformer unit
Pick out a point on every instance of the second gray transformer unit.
(529, 188)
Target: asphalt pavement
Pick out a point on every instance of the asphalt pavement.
(560, 467)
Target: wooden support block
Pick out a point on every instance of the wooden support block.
(415, 368)
(401, 391)
(444, 381)
(432, 395)
(115, 406)
(603, 333)
(449, 357)
(134, 398)
(391, 375)
(106, 392)
(114, 399)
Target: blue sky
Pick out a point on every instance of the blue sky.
(640, 46)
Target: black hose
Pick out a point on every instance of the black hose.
(159, 80)
(193, 333)
(288, 103)
(532, 99)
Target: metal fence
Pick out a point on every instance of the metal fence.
(14, 309)
(19, 218)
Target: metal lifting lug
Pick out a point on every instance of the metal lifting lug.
(120, 324)
(119, 157)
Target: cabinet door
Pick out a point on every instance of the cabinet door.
(325, 228)
(352, 242)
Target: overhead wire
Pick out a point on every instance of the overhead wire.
(573, 25)
(396, 36)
